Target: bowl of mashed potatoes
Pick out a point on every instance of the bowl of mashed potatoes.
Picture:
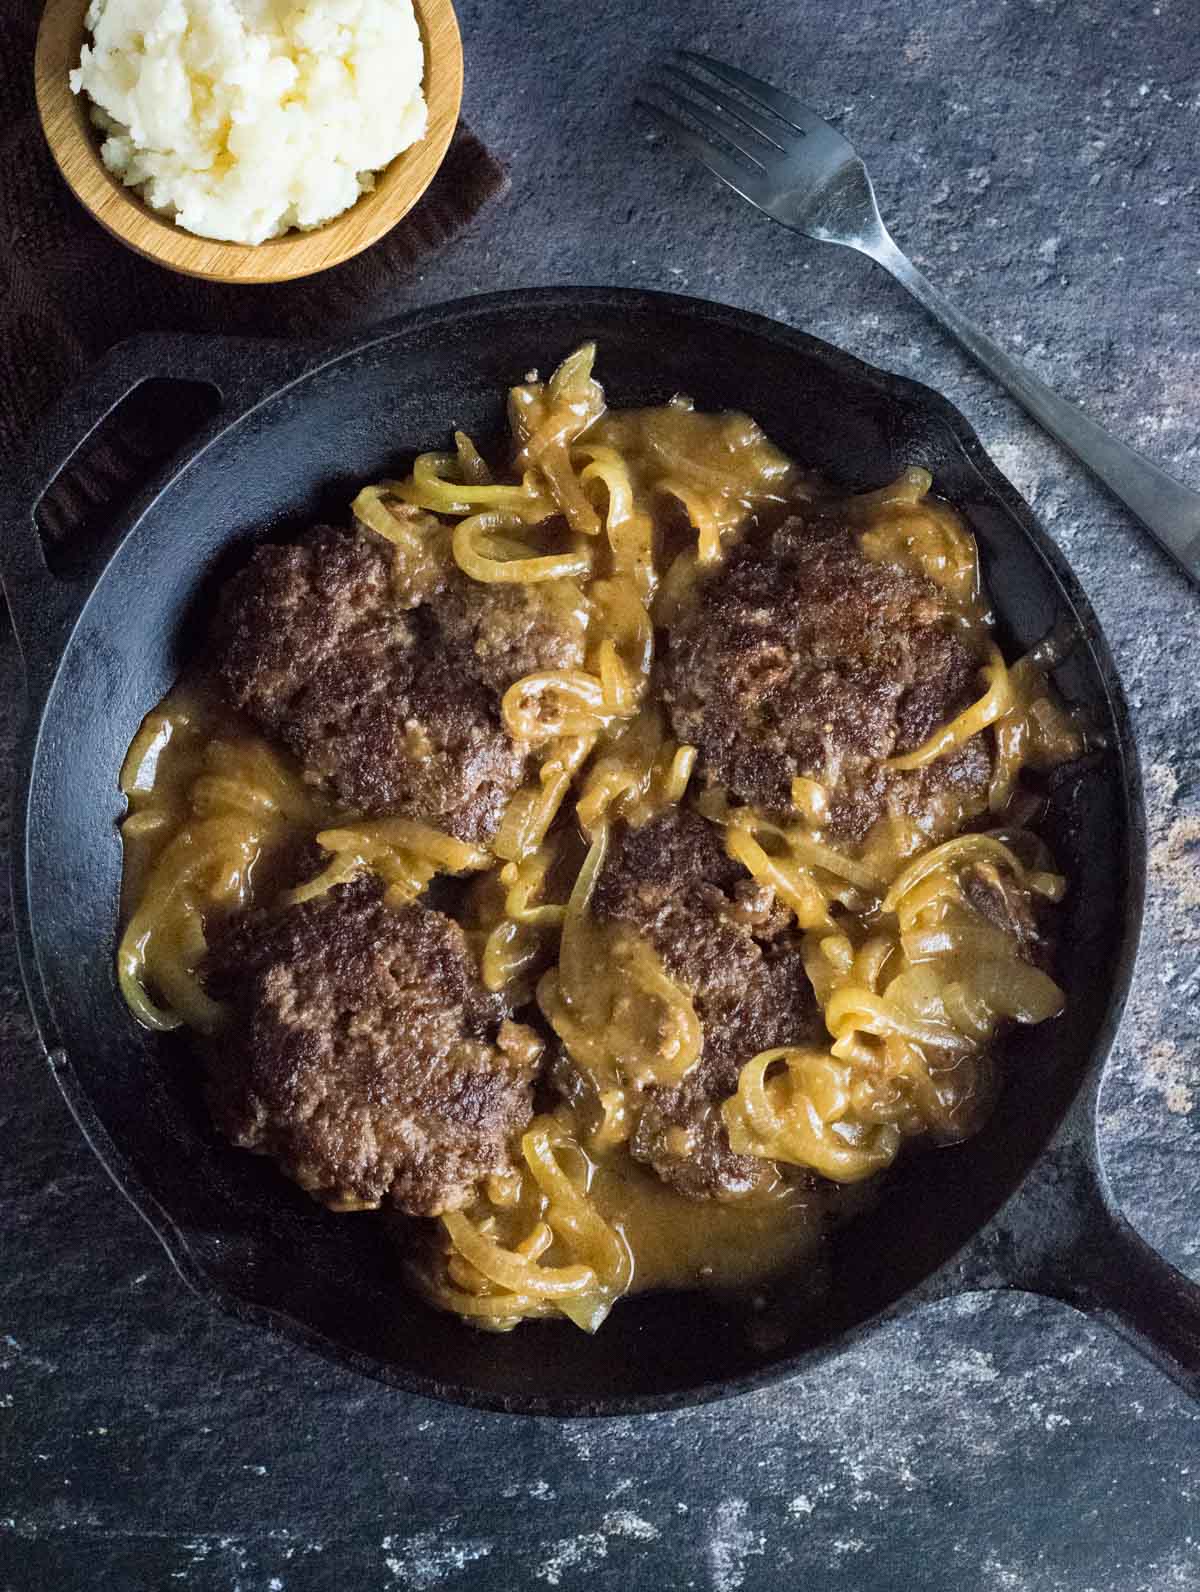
(249, 140)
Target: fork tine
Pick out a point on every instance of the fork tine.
(738, 177)
(711, 120)
(723, 108)
(786, 106)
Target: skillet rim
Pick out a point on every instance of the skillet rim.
(308, 360)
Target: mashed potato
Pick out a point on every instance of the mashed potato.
(242, 118)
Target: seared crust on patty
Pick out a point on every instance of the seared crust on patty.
(389, 699)
(505, 631)
(498, 630)
(310, 642)
(804, 657)
(364, 1053)
(725, 941)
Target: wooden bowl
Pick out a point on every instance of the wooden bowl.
(75, 144)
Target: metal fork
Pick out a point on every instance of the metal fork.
(793, 165)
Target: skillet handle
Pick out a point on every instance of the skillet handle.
(1063, 1237)
(43, 605)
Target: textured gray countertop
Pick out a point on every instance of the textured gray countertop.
(1038, 159)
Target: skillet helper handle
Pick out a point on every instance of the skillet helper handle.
(43, 605)
(1169, 510)
(1063, 1237)
(1144, 1299)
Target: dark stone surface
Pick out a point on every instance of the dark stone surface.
(1038, 161)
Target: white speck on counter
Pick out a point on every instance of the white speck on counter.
(572, 1553)
(430, 1557)
(1048, 249)
(590, 1547)
(13, 1351)
(624, 1523)
(731, 1544)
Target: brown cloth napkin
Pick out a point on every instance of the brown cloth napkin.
(68, 291)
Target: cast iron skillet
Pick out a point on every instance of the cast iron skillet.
(1025, 1205)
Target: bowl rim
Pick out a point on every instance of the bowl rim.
(155, 237)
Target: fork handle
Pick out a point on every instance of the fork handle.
(1168, 510)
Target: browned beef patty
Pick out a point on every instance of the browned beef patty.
(724, 940)
(364, 1053)
(391, 703)
(804, 657)
(507, 631)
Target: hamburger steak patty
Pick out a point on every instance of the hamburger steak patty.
(804, 657)
(365, 1054)
(505, 631)
(724, 939)
(391, 705)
